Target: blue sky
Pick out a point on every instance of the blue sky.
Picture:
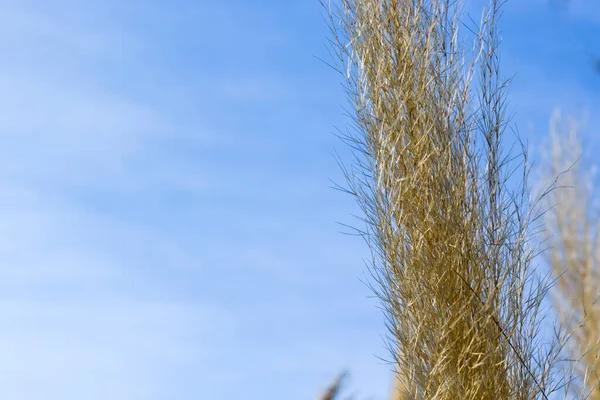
(168, 227)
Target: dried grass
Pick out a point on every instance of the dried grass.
(573, 238)
(452, 256)
(333, 390)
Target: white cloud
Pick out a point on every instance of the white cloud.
(118, 349)
(81, 313)
(97, 283)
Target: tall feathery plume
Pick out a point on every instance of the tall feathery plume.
(449, 233)
(573, 235)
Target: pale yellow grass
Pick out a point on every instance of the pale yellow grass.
(449, 234)
(573, 234)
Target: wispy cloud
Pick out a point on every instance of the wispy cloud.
(165, 231)
(85, 310)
